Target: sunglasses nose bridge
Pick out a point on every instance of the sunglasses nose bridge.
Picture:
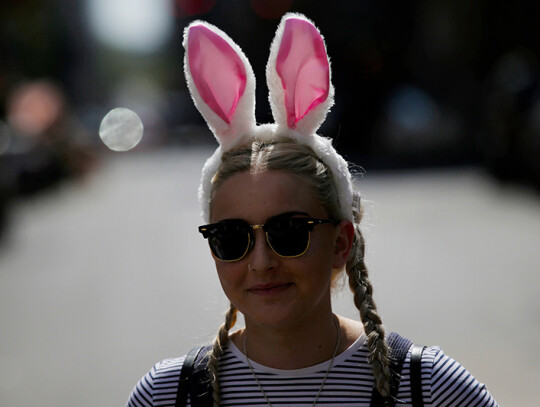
(253, 229)
(264, 236)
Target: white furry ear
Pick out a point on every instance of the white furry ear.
(298, 75)
(221, 82)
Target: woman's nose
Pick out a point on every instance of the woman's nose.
(261, 257)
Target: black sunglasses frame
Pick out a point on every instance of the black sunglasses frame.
(302, 223)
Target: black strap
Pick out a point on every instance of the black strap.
(194, 379)
(185, 374)
(200, 390)
(416, 376)
(399, 346)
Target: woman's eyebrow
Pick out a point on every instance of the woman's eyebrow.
(288, 215)
(231, 220)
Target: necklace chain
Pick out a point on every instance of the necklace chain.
(336, 323)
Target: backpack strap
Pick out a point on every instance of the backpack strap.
(399, 346)
(416, 376)
(194, 379)
(185, 373)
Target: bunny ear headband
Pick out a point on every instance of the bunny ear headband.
(222, 85)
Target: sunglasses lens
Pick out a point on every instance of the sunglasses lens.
(288, 237)
(229, 241)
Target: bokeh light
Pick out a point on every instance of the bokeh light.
(121, 129)
(412, 110)
(139, 26)
(34, 107)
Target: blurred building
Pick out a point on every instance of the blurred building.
(419, 83)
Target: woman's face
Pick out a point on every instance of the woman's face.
(268, 289)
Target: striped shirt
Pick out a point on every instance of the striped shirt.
(350, 382)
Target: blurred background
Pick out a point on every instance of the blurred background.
(102, 271)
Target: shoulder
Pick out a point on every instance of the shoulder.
(161, 382)
(351, 330)
(446, 382)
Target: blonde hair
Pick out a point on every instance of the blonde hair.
(300, 160)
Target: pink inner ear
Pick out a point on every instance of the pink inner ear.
(303, 67)
(217, 71)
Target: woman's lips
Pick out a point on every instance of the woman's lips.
(269, 289)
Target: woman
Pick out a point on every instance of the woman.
(282, 224)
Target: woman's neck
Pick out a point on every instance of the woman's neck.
(298, 347)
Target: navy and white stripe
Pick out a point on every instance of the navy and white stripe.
(445, 382)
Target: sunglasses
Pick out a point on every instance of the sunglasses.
(230, 240)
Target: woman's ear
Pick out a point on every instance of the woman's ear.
(343, 243)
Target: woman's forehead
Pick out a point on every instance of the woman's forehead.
(259, 196)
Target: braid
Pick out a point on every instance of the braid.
(363, 300)
(217, 348)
